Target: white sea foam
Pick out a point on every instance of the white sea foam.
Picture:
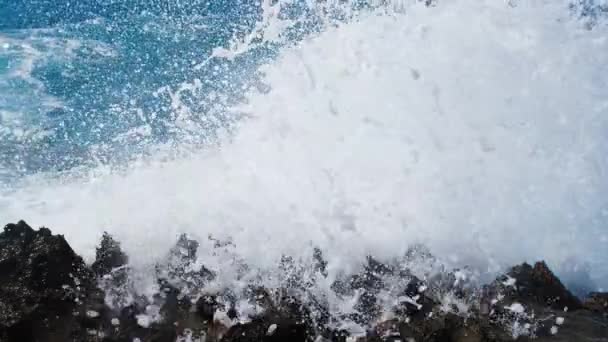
(475, 127)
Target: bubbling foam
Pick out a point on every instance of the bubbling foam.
(474, 127)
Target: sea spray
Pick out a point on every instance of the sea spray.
(476, 128)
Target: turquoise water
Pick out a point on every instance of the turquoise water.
(77, 75)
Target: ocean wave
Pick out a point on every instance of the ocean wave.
(474, 127)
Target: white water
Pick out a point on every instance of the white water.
(474, 127)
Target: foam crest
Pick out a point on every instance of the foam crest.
(474, 127)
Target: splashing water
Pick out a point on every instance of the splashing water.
(474, 127)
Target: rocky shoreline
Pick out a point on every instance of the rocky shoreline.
(48, 293)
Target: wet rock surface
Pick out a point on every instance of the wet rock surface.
(537, 284)
(45, 287)
(48, 293)
(597, 302)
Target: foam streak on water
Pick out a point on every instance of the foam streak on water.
(475, 127)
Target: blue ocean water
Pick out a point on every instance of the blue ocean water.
(75, 76)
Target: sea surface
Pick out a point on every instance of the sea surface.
(477, 128)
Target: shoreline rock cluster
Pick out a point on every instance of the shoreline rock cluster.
(48, 293)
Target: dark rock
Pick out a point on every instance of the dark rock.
(284, 318)
(537, 285)
(320, 264)
(112, 272)
(178, 272)
(550, 311)
(427, 329)
(579, 326)
(45, 286)
(268, 329)
(108, 256)
(418, 303)
(206, 306)
(49, 294)
(367, 284)
(468, 333)
(249, 332)
(597, 301)
(180, 314)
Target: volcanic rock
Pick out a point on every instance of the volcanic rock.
(48, 293)
(45, 286)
